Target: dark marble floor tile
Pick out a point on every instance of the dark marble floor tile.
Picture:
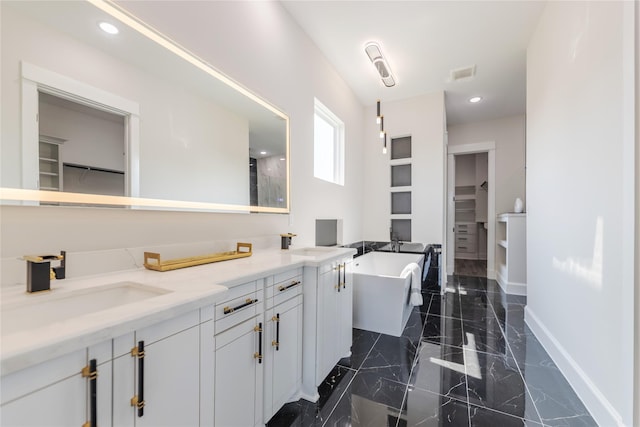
(556, 401)
(356, 411)
(361, 345)
(443, 330)
(413, 328)
(296, 414)
(484, 335)
(332, 388)
(476, 306)
(505, 311)
(482, 417)
(426, 301)
(526, 348)
(391, 358)
(426, 409)
(440, 369)
(494, 382)
(370, 386)
(446, 305)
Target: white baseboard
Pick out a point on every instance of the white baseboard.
(512, 288)
(595, 402)
(491, 274)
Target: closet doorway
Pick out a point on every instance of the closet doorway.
(471, 210)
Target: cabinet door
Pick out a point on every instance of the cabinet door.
(238, 376)
(283, 358)
(60, 404)
(52, 393)
(328, 322)
(171, 381)
(346, 310)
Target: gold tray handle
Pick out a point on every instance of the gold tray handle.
(151, 258)
(247, 246)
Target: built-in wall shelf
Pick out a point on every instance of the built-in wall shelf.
(401, 188)
(511, 253)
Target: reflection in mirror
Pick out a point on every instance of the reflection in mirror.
(129, 115)
(91, 156)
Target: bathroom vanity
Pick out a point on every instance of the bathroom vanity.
(219, 344)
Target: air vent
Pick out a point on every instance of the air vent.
(462, 74)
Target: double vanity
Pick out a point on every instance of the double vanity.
(223, 344)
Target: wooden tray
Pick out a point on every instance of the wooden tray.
(152, 260)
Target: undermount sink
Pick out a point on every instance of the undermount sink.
(313, 251)
(49, 308)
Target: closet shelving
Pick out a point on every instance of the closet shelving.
(465, 217)
(50, 164)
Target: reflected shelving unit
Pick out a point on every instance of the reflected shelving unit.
(50, 163)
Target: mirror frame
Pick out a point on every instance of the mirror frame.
(27, 197)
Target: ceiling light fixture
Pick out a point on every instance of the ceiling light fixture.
(475, 99)
(375, 55)
(380, 121)
(108, 28)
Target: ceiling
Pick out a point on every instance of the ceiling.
(422, 42)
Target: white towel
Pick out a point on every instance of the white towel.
(416, 284)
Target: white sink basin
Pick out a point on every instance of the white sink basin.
(312, 251)
(51, 307)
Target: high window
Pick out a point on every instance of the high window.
(328, 142)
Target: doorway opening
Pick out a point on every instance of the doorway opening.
(470, 240)
(470, 216)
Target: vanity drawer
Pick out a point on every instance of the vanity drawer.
(283, 291)
(290, 274)
(243, 302)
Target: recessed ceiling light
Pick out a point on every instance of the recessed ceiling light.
(263, 152)
(475, 99)
(282, 159)
(108, 28)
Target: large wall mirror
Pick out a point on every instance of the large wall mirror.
(128, 119)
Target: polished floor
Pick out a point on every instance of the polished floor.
(470, 267)
(465, 359)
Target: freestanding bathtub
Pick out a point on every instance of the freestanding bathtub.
(380, 295)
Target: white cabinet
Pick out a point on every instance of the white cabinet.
(328, 320)
(159, 366)
(239, 354)
(283, 352)
(58, 392)
(511, 255)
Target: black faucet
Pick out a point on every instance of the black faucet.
(285, 240)
(40, 273)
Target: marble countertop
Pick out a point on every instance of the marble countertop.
(183, 290)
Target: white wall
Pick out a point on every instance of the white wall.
(465, 170)
(580, 201)
(509, 135)
(636, 390)
(422, 118)
(262, 48)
